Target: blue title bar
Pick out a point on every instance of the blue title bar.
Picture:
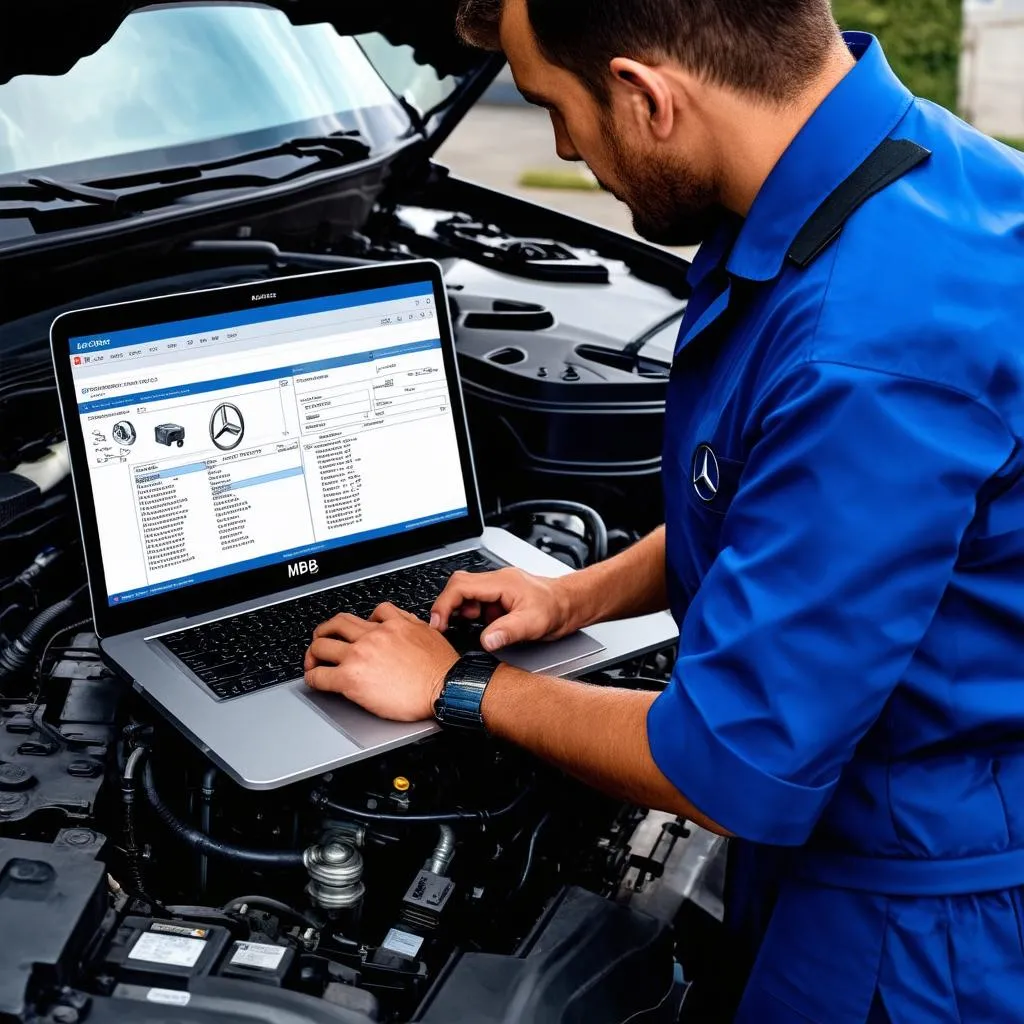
(258, 377)
(246, 317)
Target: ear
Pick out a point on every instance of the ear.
(649, 93)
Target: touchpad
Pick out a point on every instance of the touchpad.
(546, 657)
(360, 727)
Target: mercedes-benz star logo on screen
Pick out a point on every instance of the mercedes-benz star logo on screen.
(227, 426)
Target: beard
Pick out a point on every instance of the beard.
(671, 204)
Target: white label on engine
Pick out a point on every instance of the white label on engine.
(169, 996)
(175, 950)
(402, 942)
(258, 954)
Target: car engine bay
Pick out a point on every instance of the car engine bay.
(454, 879)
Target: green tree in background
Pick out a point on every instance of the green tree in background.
(922, 40)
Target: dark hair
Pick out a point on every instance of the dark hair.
(766, 47)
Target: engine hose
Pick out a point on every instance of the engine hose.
(18, 654)
(206, 823)
(274, 906)
(131, 846)
(441, 860)
(320, 800)
(203, 844)
(598, 530)
(531, 849)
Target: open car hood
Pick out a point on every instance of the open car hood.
(48, 37)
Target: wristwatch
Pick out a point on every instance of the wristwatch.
(462, 694)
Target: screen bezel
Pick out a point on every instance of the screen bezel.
(254, 584)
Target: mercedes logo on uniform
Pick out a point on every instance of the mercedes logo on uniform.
(706, 479)
(227, 426)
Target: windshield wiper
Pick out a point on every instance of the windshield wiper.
(333, 150)
(73, 190)
(142, 190)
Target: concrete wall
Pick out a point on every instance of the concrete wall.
(992, 69)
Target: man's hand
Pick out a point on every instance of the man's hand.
(515, 605)
(393, 665)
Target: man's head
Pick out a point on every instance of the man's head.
(639, 88)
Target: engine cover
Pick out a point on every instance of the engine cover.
(48, 769)
(591, 960)
(52, 900)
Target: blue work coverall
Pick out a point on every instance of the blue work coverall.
(844, 478)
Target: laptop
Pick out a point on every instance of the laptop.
(250, 460)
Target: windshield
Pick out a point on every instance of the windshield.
(417, 83)
(202, 82)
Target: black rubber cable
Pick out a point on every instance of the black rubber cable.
(18, 654)
(132, 850)
(48, 649)
(276, 906)
(531, 849)
(650, 333)
(202, 843)
(321, 801)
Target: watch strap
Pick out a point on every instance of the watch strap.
(461, 700)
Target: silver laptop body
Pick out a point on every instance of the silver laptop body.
(240, 447)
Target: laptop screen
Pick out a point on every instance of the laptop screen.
(230, 442)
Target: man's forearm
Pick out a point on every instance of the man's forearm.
(631, 583)
(597, 734)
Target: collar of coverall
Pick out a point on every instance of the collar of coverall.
(855, 118)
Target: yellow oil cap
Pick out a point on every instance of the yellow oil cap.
(401, 783)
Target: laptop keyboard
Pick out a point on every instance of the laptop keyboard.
(262, 648)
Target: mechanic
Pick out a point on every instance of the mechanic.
(844, 505)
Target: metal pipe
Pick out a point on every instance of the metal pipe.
(133, 762)
(441, 860)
